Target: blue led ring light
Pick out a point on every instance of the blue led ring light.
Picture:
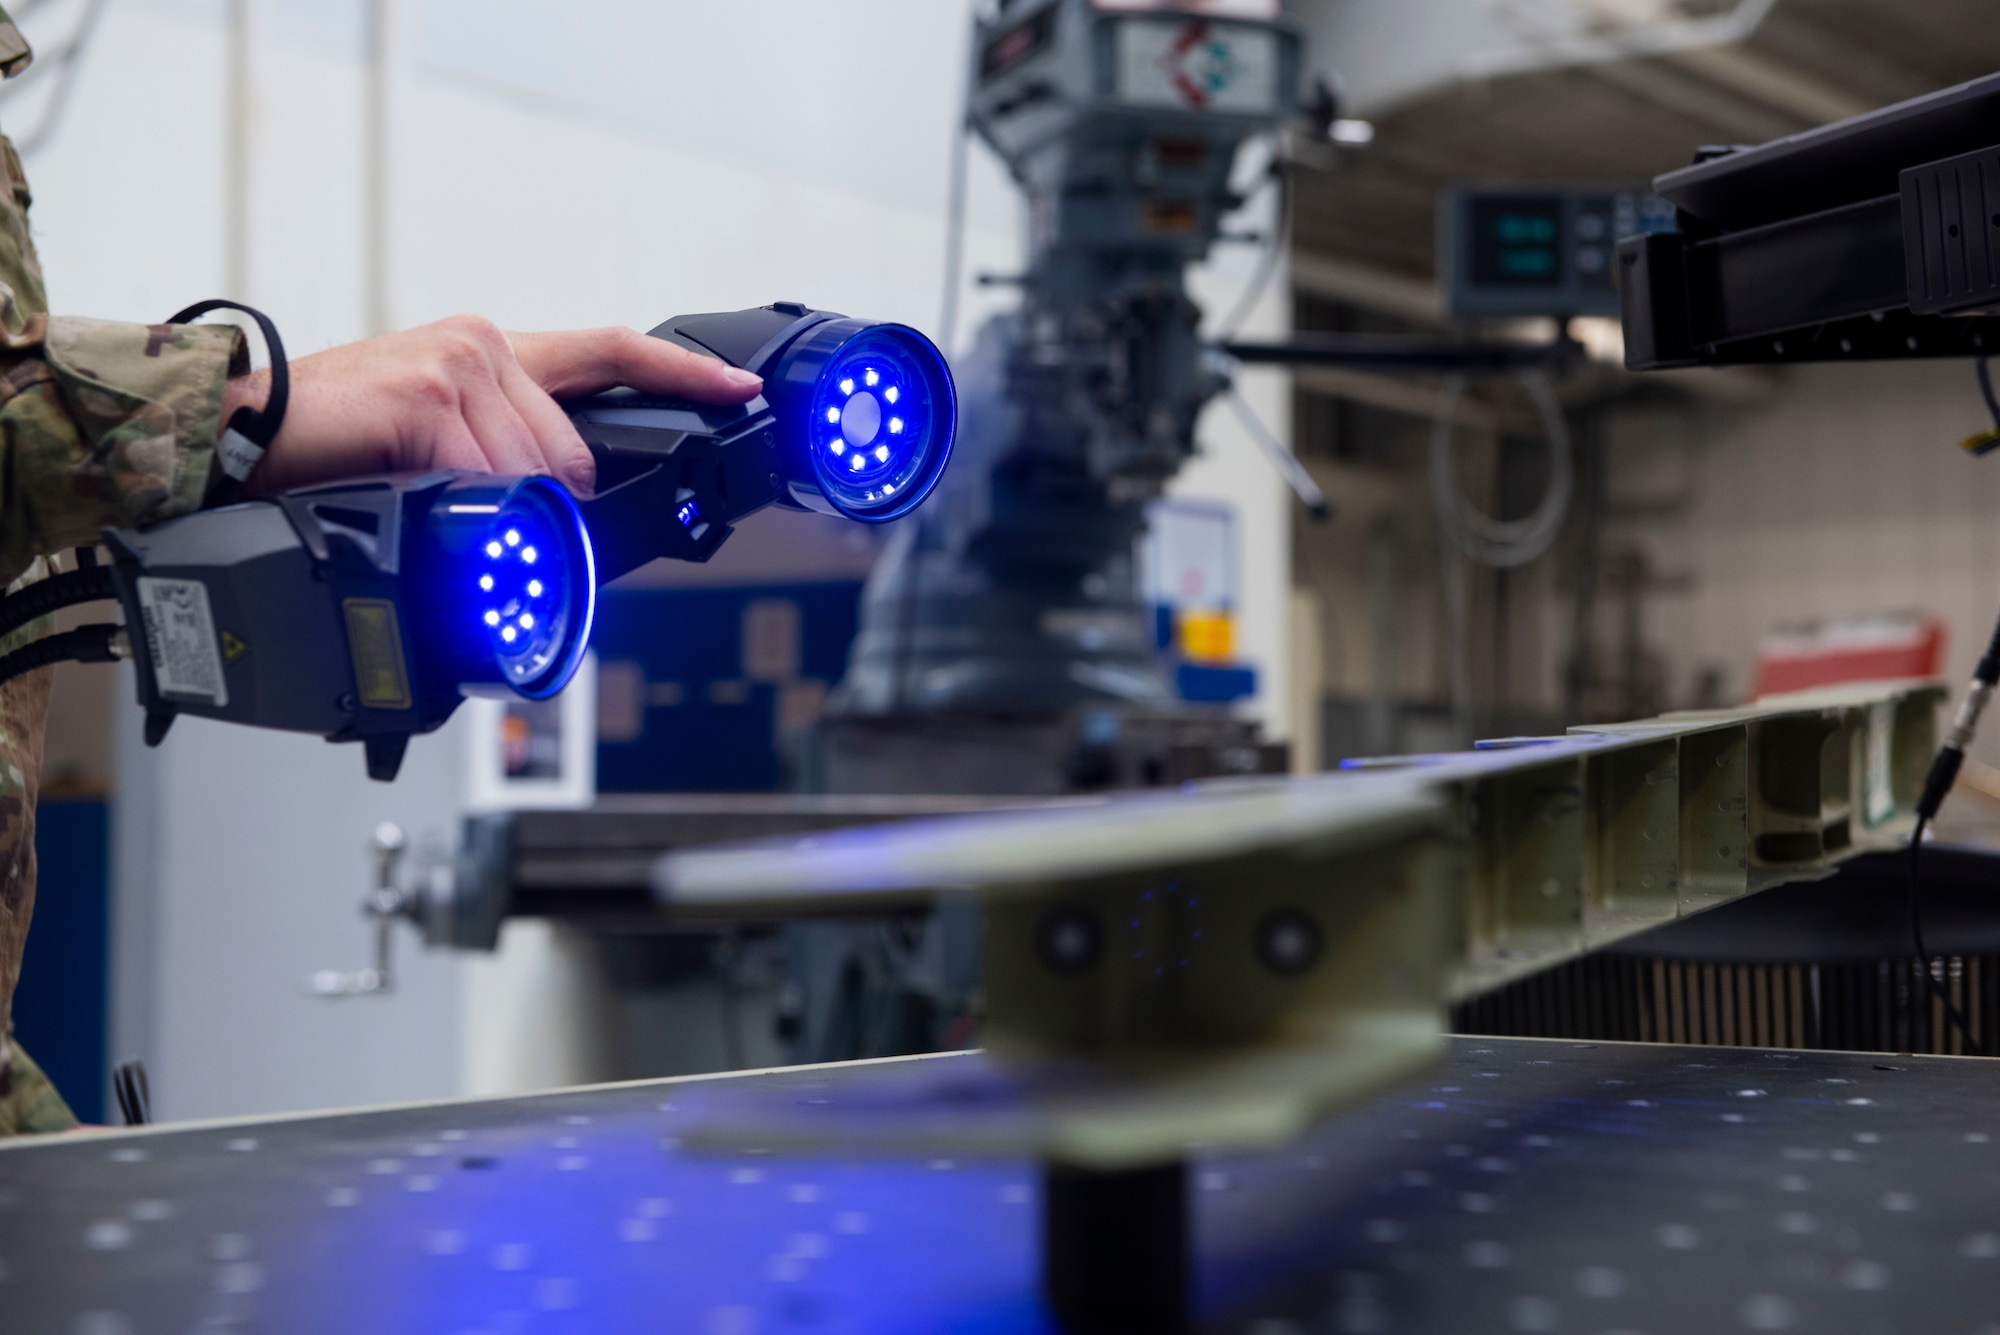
(531, 585)
(870, 414)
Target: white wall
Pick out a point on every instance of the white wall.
(1232, 468)
(1845, 493)
(555, 164)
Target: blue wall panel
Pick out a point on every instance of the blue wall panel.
(708, 726)
(62, 1007)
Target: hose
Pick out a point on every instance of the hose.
(1502, 543)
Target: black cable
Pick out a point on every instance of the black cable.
(65, 61)
(1986, 441)
(1937, 786)
(89, 585)
(85, 644)
(954, 238)
(1279, 245)
(1935, 984)
(135, 1096)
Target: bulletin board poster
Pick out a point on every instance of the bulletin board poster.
(1188, 557)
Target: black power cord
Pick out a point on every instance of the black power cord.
(1951, 756)
(86, 644)
(1986, 441)
(1937, 785)
(1931, 980)
(135, 1093)
(89, 585)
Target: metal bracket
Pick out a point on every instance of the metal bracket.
(385, 903)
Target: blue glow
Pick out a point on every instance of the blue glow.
(689, 513)
(880, 456)
(869, 413)
(537, 621)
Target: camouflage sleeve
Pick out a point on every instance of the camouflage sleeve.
(14, 53)
(103, 424)
(29, 1104)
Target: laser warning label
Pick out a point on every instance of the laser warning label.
(180, 631)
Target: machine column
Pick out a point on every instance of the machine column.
(1115, 1249)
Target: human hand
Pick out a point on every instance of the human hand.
(463, 394)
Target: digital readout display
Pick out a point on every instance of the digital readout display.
(1517, 242)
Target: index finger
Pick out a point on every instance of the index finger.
(587, 361)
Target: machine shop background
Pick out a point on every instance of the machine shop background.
(606, 160)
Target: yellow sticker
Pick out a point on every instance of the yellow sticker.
(375, 640)
(233, 648)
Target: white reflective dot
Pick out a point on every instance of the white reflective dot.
(847, 387)
(882, 454)
(529, 555)
(493, 549)
(1767, 1311)
(486, 583)
(492, 617)
(888, 489)
(527, 621)
(895, 426)
(872, 379)
(513, 537)
(892, 393)
(1678, 1237)
(507, 634)
(1867, 1276)
(534, 588)
(855, 462)
(837, 446)
(833, 414)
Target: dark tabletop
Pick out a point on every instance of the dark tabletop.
(1528, 1186)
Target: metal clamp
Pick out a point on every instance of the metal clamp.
(385, 903)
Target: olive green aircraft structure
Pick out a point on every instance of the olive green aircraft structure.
(1222, 966)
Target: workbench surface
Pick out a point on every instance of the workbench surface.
(1527, 1185)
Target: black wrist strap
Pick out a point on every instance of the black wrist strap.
(249, 431)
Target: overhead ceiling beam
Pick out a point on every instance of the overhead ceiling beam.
(1368, 287)
(1773, 83)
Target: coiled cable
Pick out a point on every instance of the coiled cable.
(1503, 543)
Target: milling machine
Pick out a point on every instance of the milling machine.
(1005, 645)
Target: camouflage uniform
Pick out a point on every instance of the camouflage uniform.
(101, 424)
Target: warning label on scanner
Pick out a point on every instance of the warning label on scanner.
(180, 630)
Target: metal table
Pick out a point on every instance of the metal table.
(1529, 1185)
